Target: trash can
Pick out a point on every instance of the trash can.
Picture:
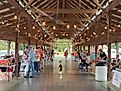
(101, 72)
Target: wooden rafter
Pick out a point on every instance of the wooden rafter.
(70, 11)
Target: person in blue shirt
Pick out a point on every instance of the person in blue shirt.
(30, 62)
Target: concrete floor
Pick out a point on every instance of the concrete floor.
(73, 80)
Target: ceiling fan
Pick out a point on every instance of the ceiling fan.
(57, 20)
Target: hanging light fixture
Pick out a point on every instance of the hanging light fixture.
(56, 35)
(45, 35)
(43, 23)
(66, 34)
(110, 30)
(38, 30)
(102, 33)
(2, 23)
(94, 33)
(52, 33)
(29, 35)
(106, 27)
(33, 27)
(54, 27)
(15, 17)
(75, 26)
(87, 28)
(119, 25)
(17, 25)
(114, 30)
(68, 26)
(26, 33)
(24, 27)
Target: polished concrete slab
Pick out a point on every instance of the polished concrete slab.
(73, 80)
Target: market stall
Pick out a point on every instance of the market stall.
(7, 67)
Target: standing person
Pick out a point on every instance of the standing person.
(52, 54)
(102, 55)
(60, 70)
(87, 61)
(36, 62)
(30, 62)
(40, 51)
(66, 55)
(75, 55)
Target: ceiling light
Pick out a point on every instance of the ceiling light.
(68, 26)
(106, 27)
(7, 24)
(56, 35)
(87, 28)
(54, 27)
(110, 30)
(52, 33)
(103, 33)
(17, 25)
(66, 34)
(15, 17)
(119, 25)
(33, 27)
(75, 26)
(29, 35)
(43, 23)
(94, 33)
(114, 30)
(38, 30)
(2, 22)
(26, 33)
(45, 35)
(24, 27)
(85, 34)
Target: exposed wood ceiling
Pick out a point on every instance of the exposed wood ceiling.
(68, 17)
(103, 30)
(9, 9)
(60, 13)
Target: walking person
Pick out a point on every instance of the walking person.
(60, 70)
(66, 55)
(30, 62)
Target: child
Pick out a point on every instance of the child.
(60, 69)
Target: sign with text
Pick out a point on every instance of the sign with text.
(116, 78)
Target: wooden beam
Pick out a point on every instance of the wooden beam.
(7, 12)
(4, 6)
(68, 19)
(70, 11)
(41, 12)
(29, 3)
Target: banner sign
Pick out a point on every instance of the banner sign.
(117, 78)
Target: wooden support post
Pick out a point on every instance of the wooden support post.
(36, 43)
(84, 47)
(24, 46)
(109, 61)
(29, 40)
(117, 48)
(96, 48)
(9, 45)
(88, 49)
(16, 52)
